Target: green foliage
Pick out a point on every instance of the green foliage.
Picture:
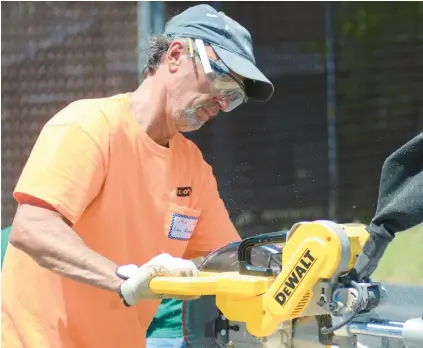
(371, 22)
(366, 35)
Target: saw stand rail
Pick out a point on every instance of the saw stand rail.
(410, 332)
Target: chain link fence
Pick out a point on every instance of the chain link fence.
(272, 160)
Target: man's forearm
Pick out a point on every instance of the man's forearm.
(82, 264)
(47, 239)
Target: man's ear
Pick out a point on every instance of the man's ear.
(174, 55)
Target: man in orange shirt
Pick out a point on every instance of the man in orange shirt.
(113, 194)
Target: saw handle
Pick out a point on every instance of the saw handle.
(204, 284)
(245, 250)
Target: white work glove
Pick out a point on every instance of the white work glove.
(136, 287)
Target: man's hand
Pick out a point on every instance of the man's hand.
(136, 287)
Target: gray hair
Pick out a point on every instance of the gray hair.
(157, 46)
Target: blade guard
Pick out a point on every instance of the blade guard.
(203, 323)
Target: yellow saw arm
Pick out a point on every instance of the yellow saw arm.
(313, 257)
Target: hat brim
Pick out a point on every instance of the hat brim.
(258, 87)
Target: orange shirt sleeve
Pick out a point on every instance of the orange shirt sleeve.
(66, 167)
(214, 228)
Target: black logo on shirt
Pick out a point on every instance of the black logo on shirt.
(183, 191)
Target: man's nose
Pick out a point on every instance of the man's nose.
(223, 102)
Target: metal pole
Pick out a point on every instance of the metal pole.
(330, 113)
(159, 17)
(378, 328)
(144, 28)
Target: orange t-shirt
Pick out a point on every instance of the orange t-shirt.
(129, 199)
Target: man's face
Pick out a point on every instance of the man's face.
(193, 99)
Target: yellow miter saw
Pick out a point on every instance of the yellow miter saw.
(257, 292)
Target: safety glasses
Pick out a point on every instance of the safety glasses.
(230, 89)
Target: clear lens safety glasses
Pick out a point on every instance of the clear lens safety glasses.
(230, 89)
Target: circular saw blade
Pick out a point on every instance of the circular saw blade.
(203, 324)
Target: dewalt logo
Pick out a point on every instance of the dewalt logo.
(295, 277)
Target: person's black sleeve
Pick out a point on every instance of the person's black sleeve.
(400, 203)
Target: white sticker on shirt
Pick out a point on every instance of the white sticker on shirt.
(182, 226)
